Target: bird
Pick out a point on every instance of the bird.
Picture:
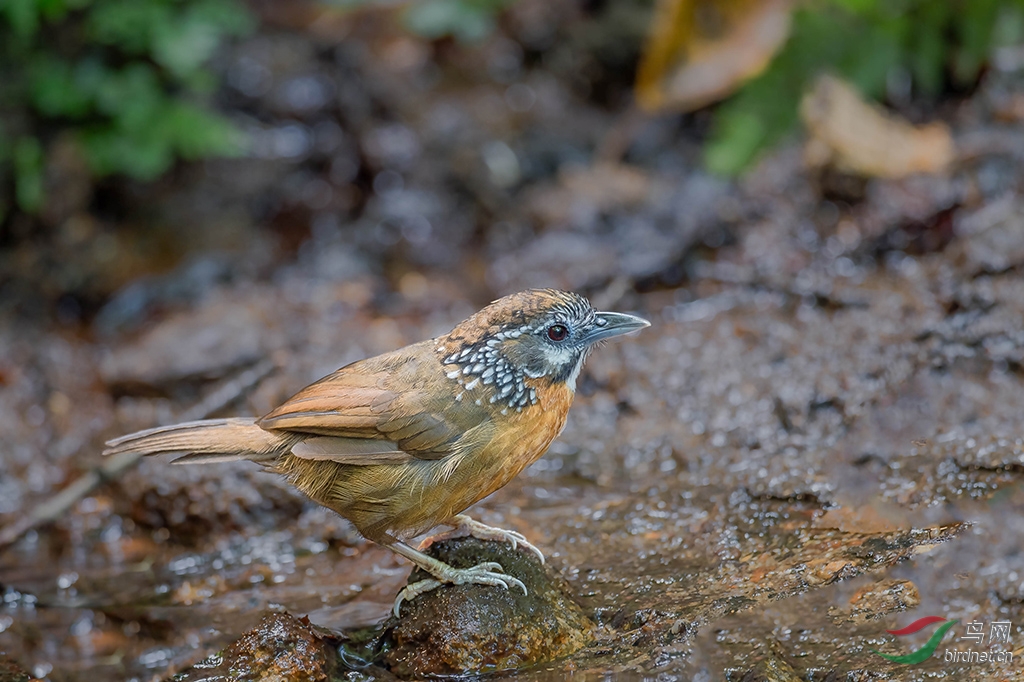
(402, 443)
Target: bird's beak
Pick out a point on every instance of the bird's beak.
(607, 325)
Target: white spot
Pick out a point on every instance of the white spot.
(453, 374)
(504, 411)
(471, 385)
(458, 397)
(478, 401)
(536, 375)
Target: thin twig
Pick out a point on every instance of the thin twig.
(55, 507)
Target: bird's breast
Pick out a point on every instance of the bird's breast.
(520, 439)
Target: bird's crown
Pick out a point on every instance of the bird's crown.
(524, 312)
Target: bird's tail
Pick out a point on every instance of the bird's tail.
(209, 440)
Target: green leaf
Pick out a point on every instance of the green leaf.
(183, 45)
(132, 96)
(858, 6)
(929, 47)
(173, 130)
(59, 89)
(197, 133)
(22, 16)
(138, 154)
(739, 136)
(119, 74)
(878, 51)
(229, 16)
(975, 27)
(54, 10)
(128, 25)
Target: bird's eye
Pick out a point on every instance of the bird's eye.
(557, 332)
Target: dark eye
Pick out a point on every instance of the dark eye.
(557, 332)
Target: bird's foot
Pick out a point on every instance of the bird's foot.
(487, 573)
(462, 526)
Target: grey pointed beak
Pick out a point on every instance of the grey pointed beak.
(607, 325)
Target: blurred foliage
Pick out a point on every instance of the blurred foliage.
(123, 79)
(465, 20)
(932, 44)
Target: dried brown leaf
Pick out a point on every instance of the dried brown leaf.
(700, 51)
(855, 136)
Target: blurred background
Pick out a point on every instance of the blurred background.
(483, 144)
(206, 204)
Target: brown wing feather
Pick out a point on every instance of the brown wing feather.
(332, 407)
(359, 402)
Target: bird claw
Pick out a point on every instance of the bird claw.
(410, 592)
(516, 539)
(486, 573)
(463, 525)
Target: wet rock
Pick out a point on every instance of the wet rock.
(955, 465)
(992, 235)
(475, 628)
(772, 669)
(876, 601)
(281, 647)
(11, 671)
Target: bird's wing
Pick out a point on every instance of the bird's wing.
(382, 410)
(346, 403)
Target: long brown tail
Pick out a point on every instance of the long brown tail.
(209, 440)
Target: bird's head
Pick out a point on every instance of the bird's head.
(540, 333)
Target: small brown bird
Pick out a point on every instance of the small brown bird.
(405, 441)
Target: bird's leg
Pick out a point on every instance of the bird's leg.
(486, 573)
(462, 526)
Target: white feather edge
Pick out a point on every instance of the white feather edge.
(355, 451)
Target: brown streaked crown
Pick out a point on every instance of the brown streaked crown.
(519, 310)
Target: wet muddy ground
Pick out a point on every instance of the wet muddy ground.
(819, 438)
